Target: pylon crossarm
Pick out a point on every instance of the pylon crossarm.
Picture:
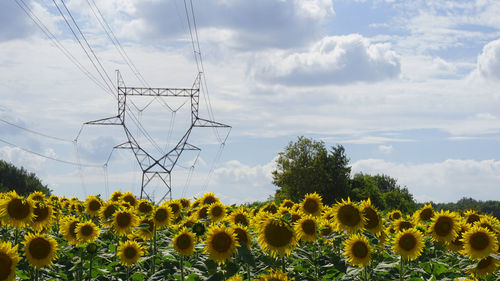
(200, 122)
(153, 92)
(115, 120)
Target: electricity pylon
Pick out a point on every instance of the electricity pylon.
(157, 167)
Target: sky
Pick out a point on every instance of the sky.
(409, 88)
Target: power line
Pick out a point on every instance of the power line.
(35, 132)
(49, 157)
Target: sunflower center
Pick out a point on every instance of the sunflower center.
(241, 235)
(129, 199)
(202, 213)
(86, 230)
(209, 200)
(145, 208)
(479, 241)
(405, 225)
(371, 216)
(241, 219)
(216, 212)
(94, 205)
(472, 218)
(407, 242)
(109, 211)
(183, 242)
(271, 208)
(277, 235)
(295, 217)
(443, 226)
(175, 208)
(130, 252)
(18, 209)
(161, 215)
(288, 204)
(360, 250)
(221, 242)
(309, 227)
(41, 213)
(72, 228)
(123, 219)
(5, 264)
(484, 263)
(39, 248)
(311, 206)
(396, 216)
(349, 215)
(426, 214)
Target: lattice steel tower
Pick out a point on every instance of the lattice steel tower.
(162, 166)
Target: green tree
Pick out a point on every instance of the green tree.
(306, 166)
(18, 179)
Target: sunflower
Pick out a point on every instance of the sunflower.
(242, 235)
(312, 204)
(202, 213)
(67, 227)
(457, 245)
(274, 275)
(116, 196)
(348, 216)
(208, 199)
(408, 243)
(306, 228)
(357, 250)
(485, 266)
(130, 252)
(444, 226)
(326, 228)
(86, 232)
(395, 215)
(93, 205)
(402, 224)
(40, 250)
(471, 217)
(374, 222)
(424, 214)
(240, 216)
(129, 198)
(8, 261)
(486, 222)
(146, 229)
(15, 210)
(144, 206)
(276, 236)
(106, 212)
(184, 242)
(185, 202)
(221, 243)
(287, 203)
(44, 216)
(124, 221)
(479, 243)
(216, 211)
(270, 208)
(162, 216)
(198, 228)
(176, 207)
(37, 196)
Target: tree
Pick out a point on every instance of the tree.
(306, 166)
(18, 179)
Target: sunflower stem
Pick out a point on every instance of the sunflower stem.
(80, 271)
(36, 274)
(90, 267)
(248, 271)
(401, 270)
(182, 267)
(154, 249)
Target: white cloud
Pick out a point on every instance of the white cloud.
(385, 148)
(488, 62)
(445, 181)
(21, 158)
(332, 60)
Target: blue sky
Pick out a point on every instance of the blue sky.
(409, 88)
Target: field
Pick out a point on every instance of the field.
(123, 238)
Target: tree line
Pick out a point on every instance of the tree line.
(307, 166)
(20, 180)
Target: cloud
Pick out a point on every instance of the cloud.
(446, 181)
(236, 172)
(21, 158)
(332, 60)
(14, 23)
(241, 24)
(488, 62)
(385, 148)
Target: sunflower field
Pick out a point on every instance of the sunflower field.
(124, 238)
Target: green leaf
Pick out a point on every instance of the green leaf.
(138, 276)
(22, 275)
(216, 277)
(246, 255)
